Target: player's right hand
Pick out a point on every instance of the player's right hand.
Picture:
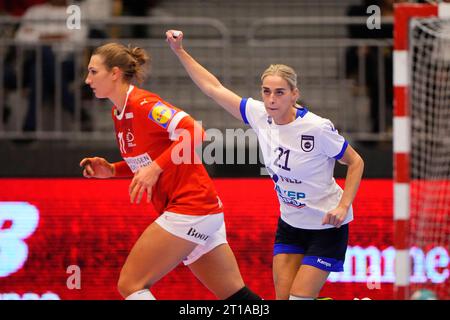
(97, 168)
(175, 39)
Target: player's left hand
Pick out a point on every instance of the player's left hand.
(175, 39)
(143, 181)
(335, 217)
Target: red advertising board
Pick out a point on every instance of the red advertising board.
(51, 229)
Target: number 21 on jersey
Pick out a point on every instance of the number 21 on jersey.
(283, 158)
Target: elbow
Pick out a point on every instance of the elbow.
(360, 163)
(356, 164)
(212, 89)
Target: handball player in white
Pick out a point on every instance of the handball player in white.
(300, 150)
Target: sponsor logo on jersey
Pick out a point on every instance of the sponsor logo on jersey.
(290, 194)
(130, 139)
(291, 202)
(135, 163)
(161, 114)
(126, 139)
(289, 180)
(275, 177)
(307, 143)
(291, 198)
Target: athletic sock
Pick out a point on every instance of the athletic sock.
(144, 294)
(292, 297)
(244, 294)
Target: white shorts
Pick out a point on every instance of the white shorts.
(207, 231)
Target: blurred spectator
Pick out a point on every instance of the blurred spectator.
(58, 46)
(138, 8)
(97, 10)
(17, 7)
(371, 60)
(9, 77)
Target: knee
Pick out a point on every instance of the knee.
(126, 286)
(123, 287)
(283, 281)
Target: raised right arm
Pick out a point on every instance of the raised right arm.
(205, 80)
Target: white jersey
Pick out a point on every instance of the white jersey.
(300, 157)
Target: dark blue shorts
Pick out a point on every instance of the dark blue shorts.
(324, 249)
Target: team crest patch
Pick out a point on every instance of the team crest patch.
(307, 143)
(161, 114)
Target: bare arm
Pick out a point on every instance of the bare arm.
(205, 80)
(354, 174)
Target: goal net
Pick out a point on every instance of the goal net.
(429, 95)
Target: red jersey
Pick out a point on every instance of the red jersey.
(148, 129)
